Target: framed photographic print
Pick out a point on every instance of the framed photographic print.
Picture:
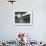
(23, 17)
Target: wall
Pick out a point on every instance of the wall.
(9, 31)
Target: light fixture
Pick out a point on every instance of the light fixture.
(12, 1)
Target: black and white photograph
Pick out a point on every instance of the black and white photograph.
(23, 18)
